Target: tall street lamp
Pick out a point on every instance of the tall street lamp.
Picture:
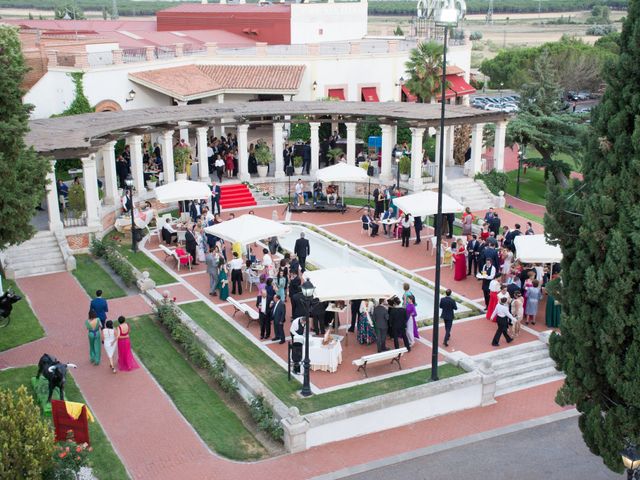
(307, 290)
(521, 158)
(447, 16)
(129, 183)
(398, 157)
(631, 461)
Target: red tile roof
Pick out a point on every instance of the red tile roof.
(191, 80)
(217, 7)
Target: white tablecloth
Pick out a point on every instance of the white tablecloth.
(324, 357)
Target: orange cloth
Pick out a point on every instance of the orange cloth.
(74, 410)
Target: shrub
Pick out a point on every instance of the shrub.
(597, 30)
(76, 199)
(68, 459)
(25, 437)
(297, 161)
(494, 180)
(475, 36)
(263, 416)
(405, 165)
(106, 249)
(181, 156)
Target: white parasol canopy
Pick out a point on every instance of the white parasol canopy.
(426, 203)
(182, 190)
(342, 172)
(247, 229)
(349, 283)
(535, 249)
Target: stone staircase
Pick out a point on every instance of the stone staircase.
(522, 366)
(36, 256)
(469, 193)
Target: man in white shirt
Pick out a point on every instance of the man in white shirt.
(299, 196)
(235, 267)
(486, 274)
(503, 315)
(169, 235)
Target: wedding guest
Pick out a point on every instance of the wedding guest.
(223, 281)
(355, 311)
(502, 316)
(263, 314)
(517, 310)
(417, 226)
(126, 361)
(366, 334)
(212, 270)
(93, 329)
(398, 323)
(100, 306)
(381, 321)
(412, 325)
(447, 306)
(110, 342)
(534, 294)
(235, 266)
(405, 225)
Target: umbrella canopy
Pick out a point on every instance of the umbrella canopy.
(247, 229)
(349, 283)
(342, 172)
(182, 190)
(426, 203)
(535, 249)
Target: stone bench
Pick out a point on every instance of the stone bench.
(393, 355)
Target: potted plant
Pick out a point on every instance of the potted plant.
(181, 157)
(334, 154)
(263, 158)
(152, 182)
(405, 168)
(297, 164)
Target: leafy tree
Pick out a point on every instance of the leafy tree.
(26, 438)
(22, 171)
(596, 226)
(425, 67)
(68, 11)
(609, 43)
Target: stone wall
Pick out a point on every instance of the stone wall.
(79, 242)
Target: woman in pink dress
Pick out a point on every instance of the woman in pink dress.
(126, 362)
(460, 259)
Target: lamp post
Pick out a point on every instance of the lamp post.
(129, 183)
(398, 156)
(447, 16)
(307, 290)
(631, 461)
(520, 160)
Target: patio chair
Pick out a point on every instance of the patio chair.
(251, 278)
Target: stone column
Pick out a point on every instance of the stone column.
(475, 162)
(351, 143)
(498, 146)
(450, 142)
(278, 147)
(287, 118)
(184, 132)
(91, 199)
(387, 147)
(243, 153)
(221, 132)
(203, 161)
(315, 147)
(444, 163)
(53, 207)
(137, 168)
(416, 159)
(110, 178)
(167, 157)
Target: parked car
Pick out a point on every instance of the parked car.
(584, 95)
(510, 108)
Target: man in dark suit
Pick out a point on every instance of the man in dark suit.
(195, 210)
(191, 245)
(490, 253)
(450, 218)
(295, 285)
(278, 314)
(488, 272)
(509, 240)
(302, 250)
(298, 305)
(215, 197)
(306, 157)
(447, 306)
(489, 215)
(355, 311)
(381, 321)
(473, 248)
(99, 305)
(417, 224)
(368, 223)
(398, 323)
(494, 224)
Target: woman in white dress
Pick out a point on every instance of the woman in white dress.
(110, 342)
(507, 262)
(201, 241)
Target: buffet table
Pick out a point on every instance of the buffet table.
(325, 357)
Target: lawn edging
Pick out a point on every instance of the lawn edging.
(467, 390)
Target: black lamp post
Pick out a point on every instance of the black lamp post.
(307, 290)
(631, 461)
(398, 155)
(446, 17)
(129, 183)
(520, 160)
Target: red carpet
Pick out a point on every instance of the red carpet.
(234, 196)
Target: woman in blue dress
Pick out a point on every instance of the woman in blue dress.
(534, 294)
(281, 283)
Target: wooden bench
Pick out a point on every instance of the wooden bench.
(393, 355)
(251, 314)
(168, 253)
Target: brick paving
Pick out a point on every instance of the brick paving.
(153, 439)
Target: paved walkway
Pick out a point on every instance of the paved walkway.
(529, 207)
(155, 442)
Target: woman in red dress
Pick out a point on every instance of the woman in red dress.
(494, 289)
(460, 259)
(126, 361)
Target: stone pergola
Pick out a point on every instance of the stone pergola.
(82, 136)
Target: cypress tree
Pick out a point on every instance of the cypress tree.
(597, 224)
(22, 172)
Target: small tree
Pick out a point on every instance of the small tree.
(76, 199)
(425, 68)
(181, 156)
(23, 172)
(263, 155)
(25, 437)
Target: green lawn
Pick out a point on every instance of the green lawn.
(275, 377)
(142, 262)
(527, 215)
(217, 425)
(93, 277)
(105, 462)
(532, 185)
(24, 326)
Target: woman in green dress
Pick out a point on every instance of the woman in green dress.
(95, 342)
(223, 282)
(553, 311)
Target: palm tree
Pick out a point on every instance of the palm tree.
(425, 68)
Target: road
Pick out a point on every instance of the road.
(553, 451)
